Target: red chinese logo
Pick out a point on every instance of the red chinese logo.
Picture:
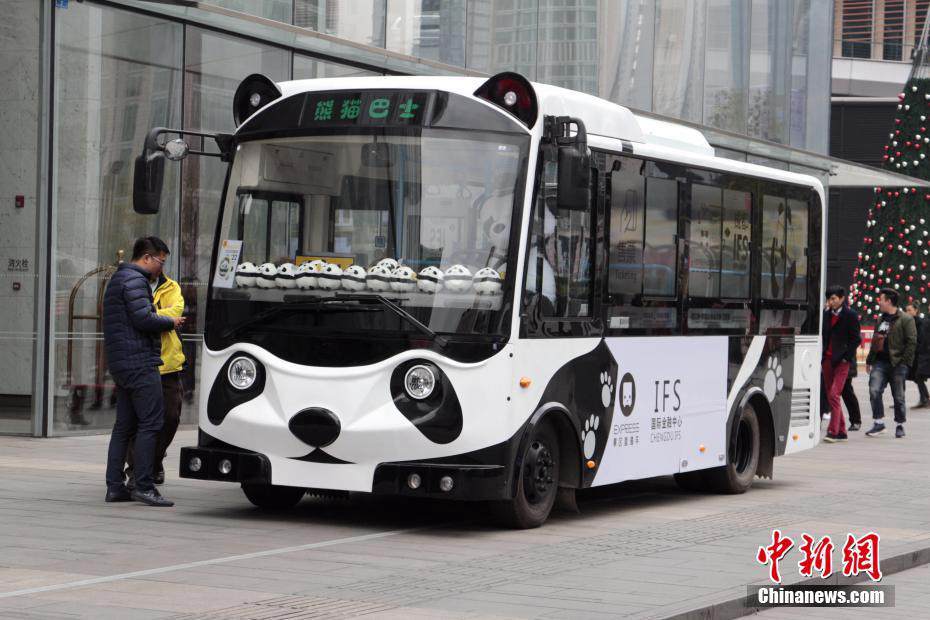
(817, 557)
(773, 554)
(861, 556)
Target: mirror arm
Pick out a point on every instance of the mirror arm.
(224, 141)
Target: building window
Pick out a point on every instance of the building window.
(857, 29)
(893, 40)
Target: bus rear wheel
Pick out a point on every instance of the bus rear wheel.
(272, 497)
(537, 482)
(742, 456)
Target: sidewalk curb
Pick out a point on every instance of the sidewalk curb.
(737, 608)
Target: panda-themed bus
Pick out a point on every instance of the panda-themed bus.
(494, 290)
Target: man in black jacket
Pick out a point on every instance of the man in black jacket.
(840, 340)
(918, 375)
(132, 339)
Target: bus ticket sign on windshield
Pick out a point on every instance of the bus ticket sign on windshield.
(365, 108)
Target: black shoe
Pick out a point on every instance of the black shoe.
(877, 429)
(159, 477)
(922, 405)
(119, 495)
(899, 432)
(841, 437)
(854, 427)
(151, 498)
(78, 419)
(830, 438)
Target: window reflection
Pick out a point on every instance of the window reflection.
(121, 75)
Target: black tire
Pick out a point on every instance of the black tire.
(272, 497)
(742, 456)
(537, 482)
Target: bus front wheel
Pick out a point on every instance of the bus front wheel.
(537, 482)
(272, 497)
(742, 456)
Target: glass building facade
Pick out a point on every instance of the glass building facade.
(85, 81)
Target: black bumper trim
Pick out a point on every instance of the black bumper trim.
(247, 467)
(469, 482)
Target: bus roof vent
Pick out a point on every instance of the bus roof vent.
(674, 135)
(511, 92)
(255, 91)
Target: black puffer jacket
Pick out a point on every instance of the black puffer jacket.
(131, 328)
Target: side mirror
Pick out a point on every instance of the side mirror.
(574, 178)
(148, 177)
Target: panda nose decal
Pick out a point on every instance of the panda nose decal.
(315, 427)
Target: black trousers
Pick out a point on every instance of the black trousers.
(172, 390)
(140, 412)
(851, 402)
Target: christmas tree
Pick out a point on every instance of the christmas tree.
(895, 251)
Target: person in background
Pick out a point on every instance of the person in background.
(169, 302)
(131, 334)
(920, 372)
(889, 361)
(841, 335)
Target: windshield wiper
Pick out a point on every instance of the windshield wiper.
(387, 303)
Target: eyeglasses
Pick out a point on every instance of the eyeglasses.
(160, 262)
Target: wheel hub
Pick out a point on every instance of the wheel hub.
(537, 472)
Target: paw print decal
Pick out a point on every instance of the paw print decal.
(773, 382)
(588, 436)
(607, 389)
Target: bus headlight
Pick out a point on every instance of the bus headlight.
(419, 382)
(242, 373)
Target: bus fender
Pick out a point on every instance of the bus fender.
(760, 403)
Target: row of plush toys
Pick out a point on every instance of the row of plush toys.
(386, 275)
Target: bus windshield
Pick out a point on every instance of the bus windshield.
(374, 231)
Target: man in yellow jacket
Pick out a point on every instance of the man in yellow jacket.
(170, 303)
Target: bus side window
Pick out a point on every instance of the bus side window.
(737, 242)
(704, 241)
(796, 250)
(774, 253)
(559, 266)
(660, 257)
(625, 256)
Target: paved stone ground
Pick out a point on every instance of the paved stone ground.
(642, 550)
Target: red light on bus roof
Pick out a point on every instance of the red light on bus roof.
(513, 93)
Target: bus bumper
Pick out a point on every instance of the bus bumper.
(442, 481)
(225, 465)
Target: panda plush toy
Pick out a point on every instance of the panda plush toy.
(379, 277)
(457, 279)
(267, 274)
(430, 279)
(246, 274)
(487, 281)
(353, 278)
(390, 263)
(330, 278)
(403, 280)
(286, 277)
(307, 274)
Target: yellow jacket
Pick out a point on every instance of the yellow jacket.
(169, 302)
